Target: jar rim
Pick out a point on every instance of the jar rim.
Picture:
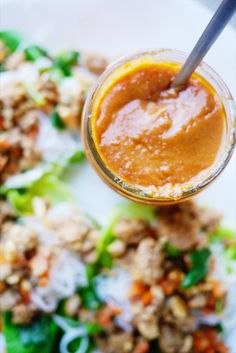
(131, 191)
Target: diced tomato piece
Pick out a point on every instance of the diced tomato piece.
(137, 290)
(147, 298)
(142, 347)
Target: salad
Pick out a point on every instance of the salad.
(152, 279)
(131, 287)
(41, 100)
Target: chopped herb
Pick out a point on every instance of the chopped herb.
(199, 262)
(77, 157)
(34, 52)
(172, 251)
(56, 121)
(10, 39)
(65, 61)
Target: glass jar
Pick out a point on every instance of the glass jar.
(138, 194)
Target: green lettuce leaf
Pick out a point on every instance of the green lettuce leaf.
(48, 186)
(40, 336)
(77, 157)
(222, 234)
(133, 210)
(34, 52)
(65, 61)
(56, 121)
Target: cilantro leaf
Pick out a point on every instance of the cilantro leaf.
(199, 262)
(65, 61)
(56, 121)
(11, 40)
(34, 52)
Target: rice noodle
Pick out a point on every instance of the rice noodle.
(61, 322)
(27, 73)
(2, 343)
(55, 145)
(70, 335)
(62, 211)
(113, 289)
(26, 178)
(66, 275)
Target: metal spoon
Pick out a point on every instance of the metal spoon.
(207, 39)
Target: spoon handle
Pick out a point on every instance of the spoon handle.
(208, 37)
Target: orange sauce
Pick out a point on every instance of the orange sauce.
(150, 136)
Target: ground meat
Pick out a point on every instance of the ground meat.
(119, 342)
(8, 299)
(6, 212)
(5, 271)
(18, 156)
(72, 305)
(77, 235)
(23, 314)
(86, 315)
(146, 321)
(185, 325)
(198, 301)
(95, 63)
(12, 95)
(127, 260)
(210, 220)
(19, 120)
(18, 241)
(49, 92)
(148, 261)
(173, 341)
(131, 231)
(180, 225)
(29, 120)
(14, 61)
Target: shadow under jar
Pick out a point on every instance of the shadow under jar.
(153, 144)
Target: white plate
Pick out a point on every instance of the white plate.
(118, 27)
